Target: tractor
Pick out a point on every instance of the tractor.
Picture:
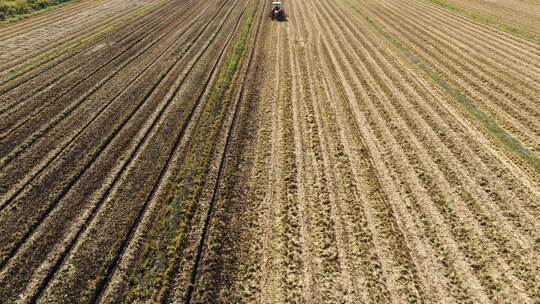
(277, 12)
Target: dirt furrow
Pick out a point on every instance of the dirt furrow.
(339, 264)
(522, 54)
(494, 133)
(291, 195)
(164, 295)
(434, 289)
(518, 82)
(364, 256)
(483, 220)
(208, 277)
(113, 102)
(186, 196)
(161, 201)
(269, 139)
(369, 94)
(182, 151)
(91, 103)
(529, 190)
(372, 268)
(499, 55)
(373, 73)
(40, 66)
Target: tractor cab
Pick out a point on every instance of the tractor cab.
(277, 12)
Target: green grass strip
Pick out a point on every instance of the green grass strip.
(486, 20)
(489, 124)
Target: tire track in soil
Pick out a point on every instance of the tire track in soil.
(89, 165)
(246, 186)
(286, 276)
(263, 283)
(297, 254)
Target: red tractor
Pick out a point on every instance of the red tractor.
(277, 12)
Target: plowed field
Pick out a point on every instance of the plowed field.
(197, 152)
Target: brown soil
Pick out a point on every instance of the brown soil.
(197, 152)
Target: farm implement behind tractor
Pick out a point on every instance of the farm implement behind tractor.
(277, 12)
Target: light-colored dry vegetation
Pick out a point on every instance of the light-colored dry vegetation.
(379, 151)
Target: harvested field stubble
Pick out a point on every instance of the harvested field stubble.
(196, 151)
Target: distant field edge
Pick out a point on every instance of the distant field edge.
(503, 26)
(504, 137)
(15, 10)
